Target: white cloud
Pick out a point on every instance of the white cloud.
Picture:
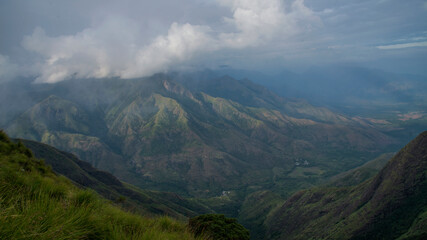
(403, 45)
(98, 52)
(254, 21)
(258, 21)
(181, 43)
(116, 48)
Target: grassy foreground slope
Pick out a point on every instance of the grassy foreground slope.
(35, 203)
(82, 174)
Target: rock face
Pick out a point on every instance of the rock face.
(391, 205)
(197, 138)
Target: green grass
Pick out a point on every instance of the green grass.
(35, 203)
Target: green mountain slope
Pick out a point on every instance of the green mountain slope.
(66, 125)
(35, 203)
(362, 173)
(202, 139)
(391, 205)
(256, 209)
(109, 187)
(259, 206)
(254, 95)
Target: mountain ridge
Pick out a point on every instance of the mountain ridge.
(386, 206)
(159, 133)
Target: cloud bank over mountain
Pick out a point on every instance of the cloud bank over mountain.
(113, 48)
(95, 39)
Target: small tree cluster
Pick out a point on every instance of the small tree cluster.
(218, 227)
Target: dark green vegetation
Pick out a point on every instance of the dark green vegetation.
(129, 197)
(260, 205)
(256, 208)
(198, 137)
(36, 203)
(391, 205)
(362, 173)
(217, 227)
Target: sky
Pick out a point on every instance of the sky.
(55, 40)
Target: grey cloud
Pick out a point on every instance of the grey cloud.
(130, 38)
(113, 48)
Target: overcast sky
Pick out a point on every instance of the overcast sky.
(58, 39)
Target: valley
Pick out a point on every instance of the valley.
(197, 146)
(223, 135)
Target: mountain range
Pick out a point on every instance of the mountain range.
(348, 88)
(198, 137)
